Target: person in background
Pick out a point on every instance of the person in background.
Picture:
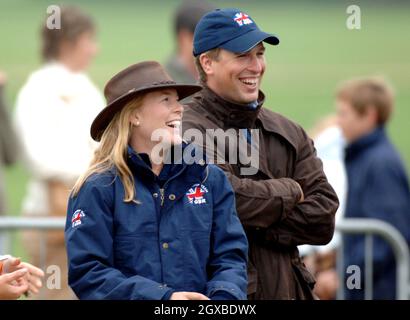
(54, 111)
(9, 152)
(377, 179)
(8, 142)
(18, 278)
(321, 260)
(181, 65)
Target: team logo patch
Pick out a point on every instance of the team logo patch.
(76, 218)
(196, 194)
(242, 19)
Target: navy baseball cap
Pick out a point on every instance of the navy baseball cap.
(230, 29)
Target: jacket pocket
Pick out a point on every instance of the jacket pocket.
(305, 281)
(196, 218)
(196, 257)
(136, 254)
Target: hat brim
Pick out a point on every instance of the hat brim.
(103, 119)
(249, 40)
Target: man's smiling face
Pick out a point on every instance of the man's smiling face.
(237, 77)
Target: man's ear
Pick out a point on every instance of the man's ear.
(206, 63)
(372, 115)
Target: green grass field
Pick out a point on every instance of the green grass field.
(317, 51)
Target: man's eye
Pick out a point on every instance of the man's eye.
(165, 99)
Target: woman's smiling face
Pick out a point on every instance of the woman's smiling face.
(159, 115)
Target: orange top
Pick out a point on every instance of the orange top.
(1, 267)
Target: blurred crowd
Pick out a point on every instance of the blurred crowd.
(50, 133)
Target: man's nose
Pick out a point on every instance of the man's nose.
(255, 64)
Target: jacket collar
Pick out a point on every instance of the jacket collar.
(140, 165)
(365, 142)
(230, 113)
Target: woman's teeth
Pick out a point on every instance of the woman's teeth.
(174, 123)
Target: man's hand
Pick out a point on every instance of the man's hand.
(13, 285)
(302, 197)
(188, 296)
(32, 277)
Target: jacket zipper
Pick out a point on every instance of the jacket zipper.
(162, 190)
(162, 193)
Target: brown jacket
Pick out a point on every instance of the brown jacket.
(267, 202)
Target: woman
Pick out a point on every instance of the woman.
(54, 112)
(142, 227)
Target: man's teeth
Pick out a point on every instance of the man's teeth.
(249, 81)
(174, 123)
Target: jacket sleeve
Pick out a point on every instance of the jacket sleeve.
(92, 274)
(387, 198)
(259, 203)
(310, 221)
(229, 247)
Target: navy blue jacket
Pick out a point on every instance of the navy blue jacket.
(377, 188)
(183, 236)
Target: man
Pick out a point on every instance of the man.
(378, 184)
(180, 65)
(287, 200)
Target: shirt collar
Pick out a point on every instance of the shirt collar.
(233, 114)
(366, 141)
(141, 161)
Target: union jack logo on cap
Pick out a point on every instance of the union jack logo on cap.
(242, 19)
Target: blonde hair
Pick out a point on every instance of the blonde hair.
(112, 151)
(362, 93)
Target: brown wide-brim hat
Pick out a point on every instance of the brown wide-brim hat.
(128, 84)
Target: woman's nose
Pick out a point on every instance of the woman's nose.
(179, 108)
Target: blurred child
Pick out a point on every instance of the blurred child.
(378, 183)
